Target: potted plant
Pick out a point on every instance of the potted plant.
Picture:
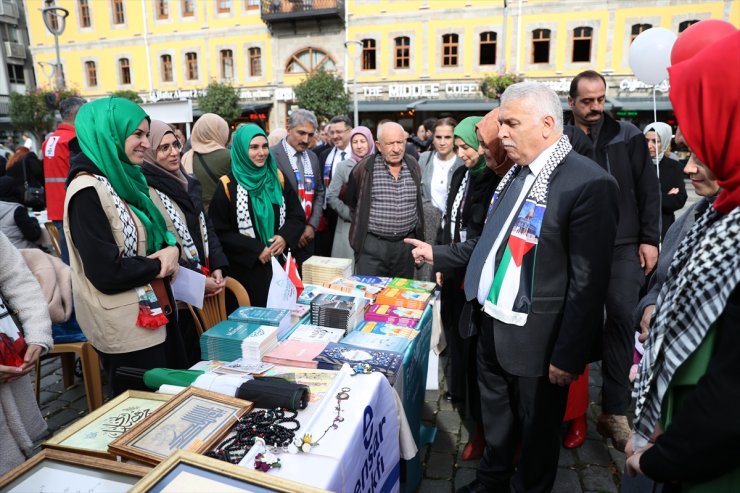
(493, 86)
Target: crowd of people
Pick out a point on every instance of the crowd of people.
(541, 234)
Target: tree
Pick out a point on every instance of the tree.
(128, 94)
(324, 94)
(221, 99)
(31, 112)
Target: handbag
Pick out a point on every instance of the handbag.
(12, 343)
(33, 197)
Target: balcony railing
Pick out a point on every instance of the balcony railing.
(291, 10)
(4, 105)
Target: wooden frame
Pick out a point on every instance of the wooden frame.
(540, 36)
(255, 61)
(581, 36)
(487, 41)
(636, 29)
(92, 73)
(450, 44)
(119, 15)
(121, 415)
(369, 54)
(84, 8)
(84, 468)
(124, 71)
(194, 420)
(226, 60)
(214, 473)
(401, 52)
(166, 66)
(187, 8)
(191, 65)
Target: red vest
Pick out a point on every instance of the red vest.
(55, 150)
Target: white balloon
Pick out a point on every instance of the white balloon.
(650, 55)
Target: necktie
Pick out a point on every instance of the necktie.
(491, 230)
(344, 155)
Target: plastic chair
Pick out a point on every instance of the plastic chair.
(54, 237)
(214, 307)
(90, 370)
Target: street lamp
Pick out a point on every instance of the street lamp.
(355, 57)
(55, 20)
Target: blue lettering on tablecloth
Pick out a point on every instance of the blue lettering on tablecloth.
(374, 466)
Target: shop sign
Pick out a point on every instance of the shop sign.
(284, 94)
(255, 94)
(429, 91)
(560, 86)
(634, 85)
(155, 96)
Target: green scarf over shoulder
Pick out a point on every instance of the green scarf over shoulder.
(261, 182)
(102, 127)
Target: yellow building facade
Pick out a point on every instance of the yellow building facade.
(409, 58)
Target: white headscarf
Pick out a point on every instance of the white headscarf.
(664, 133)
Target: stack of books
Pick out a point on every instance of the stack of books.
(396, 315)
(264, 316)
(379, 281)
(411, 285)
(223, 341)
(387, 329)
(296, 353)
(403, 298)
(259, 342)
(337, 311)
(368, 340)
(316, 333)
(318, 270)
(335, 355)
(355, 288)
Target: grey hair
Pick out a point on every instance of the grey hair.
(381, 126)
(69, 106)
(540, 99)
(300, 116)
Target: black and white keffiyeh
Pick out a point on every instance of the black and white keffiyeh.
(243, 216)
(457, 207)
(188, 245)
(704, 272)
(130, 234)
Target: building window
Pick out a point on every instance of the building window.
(255, 62)
(685, 25)
(9, 32)
(53, 19)
(582, 44)
(191, 66)
(188, 8)
(84, 7)
(224, 6)
(118, 15)
(91, 73)
(402, 52)
(487, 48)
(541, 46)
(227, 64)
(637, 29)
(166, 63)
(308, 60)
(449, 50)
(124, 70)
(16, 75)
(252, 4)
(368, 54)
(163, 9)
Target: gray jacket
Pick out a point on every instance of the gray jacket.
(426, 163)
(283, 163)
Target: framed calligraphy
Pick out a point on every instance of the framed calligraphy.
(92, 434)
(194, 420)
(56, 470)
(186, 471)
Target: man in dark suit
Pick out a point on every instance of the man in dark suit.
(535, 284)
(301, 168)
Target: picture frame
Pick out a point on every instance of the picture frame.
(91, 434)
(67, 471)
(189, 472)
(194, 420)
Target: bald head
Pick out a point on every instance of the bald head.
(392, 142)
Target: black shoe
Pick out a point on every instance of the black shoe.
(450, 397)
(474, 487)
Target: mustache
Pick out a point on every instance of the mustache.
(508, 143)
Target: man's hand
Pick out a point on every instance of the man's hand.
(277, 244)
(422, 252)
(648, 257)
(308, 235)
(215, 283)
(560, 377)
(647, 313)
(168, 258)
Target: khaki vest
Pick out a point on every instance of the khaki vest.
(108, 321)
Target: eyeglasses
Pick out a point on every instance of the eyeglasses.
(165, 148)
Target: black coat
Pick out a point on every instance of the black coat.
(671, 176)
(570, 278)
(242, 251)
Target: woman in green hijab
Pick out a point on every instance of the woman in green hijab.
(470, 191)
(255, 212)
(121, 253)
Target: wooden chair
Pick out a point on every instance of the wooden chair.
(54, 237)
(214, 307)
(90, 370)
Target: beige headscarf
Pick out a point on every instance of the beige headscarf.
(488, 128)
(210, 133)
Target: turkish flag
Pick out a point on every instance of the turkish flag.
(291, 268)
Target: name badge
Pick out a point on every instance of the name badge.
(463, 235)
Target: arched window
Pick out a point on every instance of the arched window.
(685, 25)
(487, 48)
(368, 54)
(309, 59)
(582, 44)
(166, 63)
(541, 46)
(402, 52)
(91, 73)
(449, 49)
(191, 65)
(637, 29)
(124, 69)
(227, 64)
(255, 62)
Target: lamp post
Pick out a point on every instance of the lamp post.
(355, 57)
(55, 20)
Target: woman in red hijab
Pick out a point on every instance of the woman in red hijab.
(689, 380)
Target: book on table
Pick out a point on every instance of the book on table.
(408, 317)
(335, 355)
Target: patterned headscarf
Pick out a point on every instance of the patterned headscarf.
(365, 132)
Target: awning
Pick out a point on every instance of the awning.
(381, 106)
(642, 104)
(246, 109)
(464, 105)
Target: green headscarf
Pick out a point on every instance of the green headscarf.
(102, 128)
(262, 183)
(466, 131)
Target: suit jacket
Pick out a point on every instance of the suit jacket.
(571, 273)
(283, 162)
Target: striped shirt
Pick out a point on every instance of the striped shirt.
(393, 201)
